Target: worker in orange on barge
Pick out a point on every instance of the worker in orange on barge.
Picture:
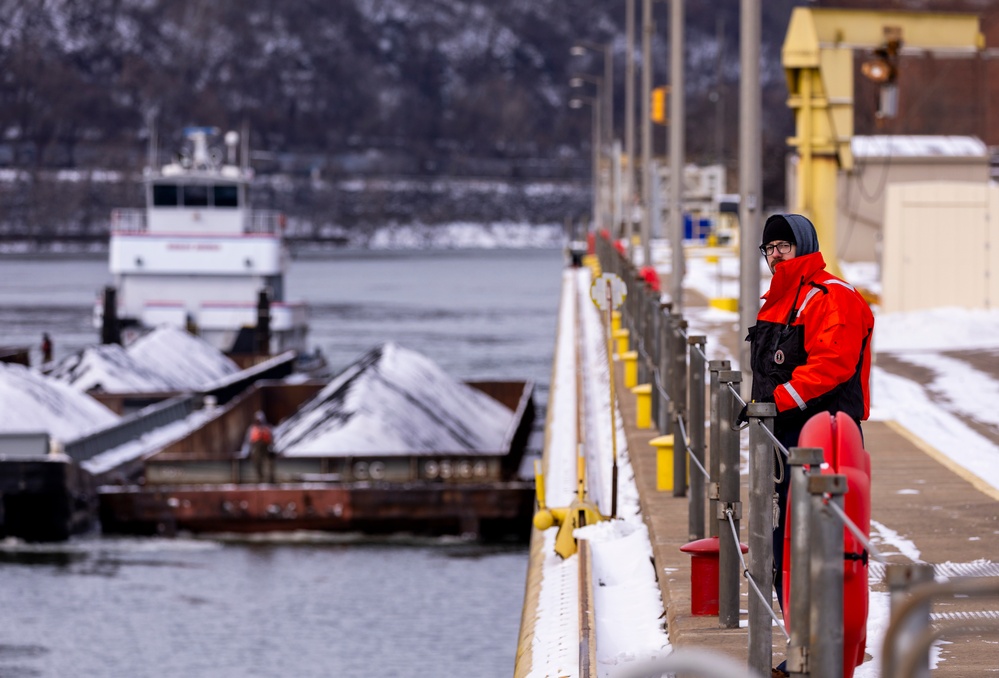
(261, 440)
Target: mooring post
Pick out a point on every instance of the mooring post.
(729, 562)
(714, 442)
(761, 527)
(695, 429)
(825, 640)
(799, 515)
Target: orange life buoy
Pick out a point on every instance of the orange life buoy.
(844, 453)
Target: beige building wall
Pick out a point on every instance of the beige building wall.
(861, 196)
(881, 162)
(941, 246)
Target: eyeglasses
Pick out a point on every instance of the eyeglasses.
(768, 250)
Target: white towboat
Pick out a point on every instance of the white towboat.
(198, 257)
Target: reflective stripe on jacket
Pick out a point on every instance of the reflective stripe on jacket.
(810, 347)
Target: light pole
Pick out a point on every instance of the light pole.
(629, 121)
(750, 175)
(579, 49)
(579, 102)
(648, 28)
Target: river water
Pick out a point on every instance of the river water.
(304, 605)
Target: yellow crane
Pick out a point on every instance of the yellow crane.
(817, 56)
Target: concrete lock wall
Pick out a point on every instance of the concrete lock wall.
(941, 246)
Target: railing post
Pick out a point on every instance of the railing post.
(900, 579)
(695, 428)
(714, 442)
(652, 330)
(797, 603)
(826, 566)
(663, 421)
(647, 362)
(678, 402)
(761, 527)
(729, 564)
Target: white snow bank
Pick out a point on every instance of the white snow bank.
(939, 329)
(30, 402)
(627, 600)
(166, 359)
(394, 400)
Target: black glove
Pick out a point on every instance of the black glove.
(743, 418)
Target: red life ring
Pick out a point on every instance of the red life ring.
(839, 436)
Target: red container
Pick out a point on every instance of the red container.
(704, 575)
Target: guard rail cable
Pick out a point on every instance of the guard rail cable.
(724, 495)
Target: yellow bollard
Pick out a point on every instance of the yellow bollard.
(630, 368)
(615, 321)
(643, 405)
(724, 304)
(712, 243)
(664, 462)
(621, 337)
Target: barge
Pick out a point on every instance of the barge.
(205, 483)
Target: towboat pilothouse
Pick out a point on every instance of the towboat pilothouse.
(198, 257)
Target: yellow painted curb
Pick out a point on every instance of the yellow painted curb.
(939, 456)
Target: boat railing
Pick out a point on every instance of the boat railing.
(128, 220)
(131, 220)
(263, 221)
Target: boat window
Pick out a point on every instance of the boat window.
(195, 195)
(226, 196)
(164, 195)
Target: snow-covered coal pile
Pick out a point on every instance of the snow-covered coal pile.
(166, 359)
(31, 402)
(395, 401)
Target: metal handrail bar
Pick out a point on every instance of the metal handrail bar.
(738, 397)
(921, 646)
(918, 597)
(659, 385)
(777, 443)
(690, 452)
(767, 604)
(850, 525)
(698, 349)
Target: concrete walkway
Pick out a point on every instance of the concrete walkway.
(948, 515)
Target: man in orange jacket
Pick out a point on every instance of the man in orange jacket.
(261, 441)
(810, 347)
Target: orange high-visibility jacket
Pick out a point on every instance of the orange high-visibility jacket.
(811, 345)
(261, 434)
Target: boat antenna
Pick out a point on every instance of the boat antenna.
(152, 150)
(245, 151)
(231, 139)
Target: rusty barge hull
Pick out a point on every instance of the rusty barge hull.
(489, 511)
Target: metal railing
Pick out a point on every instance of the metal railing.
(675, 364)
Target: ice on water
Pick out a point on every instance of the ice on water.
(395, 400)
